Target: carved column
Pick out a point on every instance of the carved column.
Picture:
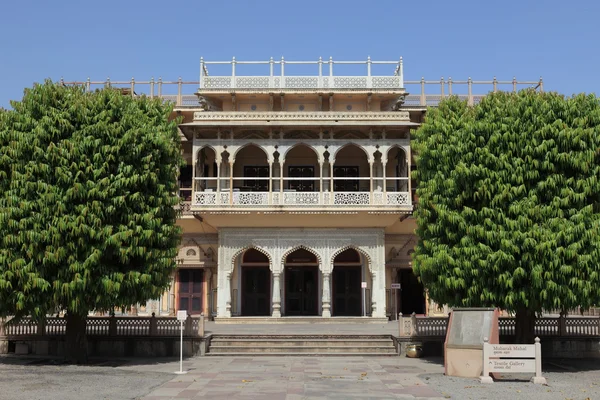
(375, 295)
(276, 295)
(326, 299)
(227, 290)
(231, 163)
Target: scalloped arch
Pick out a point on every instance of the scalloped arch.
(396, 146)
(350, 246)
(334, 155)
(250, 144)
(244, 249)
(301, 246)
(300, 144)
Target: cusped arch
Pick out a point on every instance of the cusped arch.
(283, 156)
(235, 153)
(353, 247)
(244, 249)
(350, 144)
(396, 146)
(301, 246)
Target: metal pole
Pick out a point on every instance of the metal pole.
(364, 302)
(181, 348)
(396, 303)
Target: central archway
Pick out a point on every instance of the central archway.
(301, 275)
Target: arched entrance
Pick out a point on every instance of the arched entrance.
(346, 284)
(411, 298)
(301, 283)
(256, 284)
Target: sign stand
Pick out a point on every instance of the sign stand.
(512, 358)
(395, 288)
(364, 290)
(181, 317)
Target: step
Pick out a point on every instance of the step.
(307, 349)
(301, 354)
(254, 336)
(299, 342)
(301, 320)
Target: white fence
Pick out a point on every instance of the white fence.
(413, 325)
(107, 326)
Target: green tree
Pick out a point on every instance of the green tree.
(509, 204)
(88, 185)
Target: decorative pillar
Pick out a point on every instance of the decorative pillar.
(276, 295)
(218, 178)
(383, 164)
(270, 181)
(281, 168)
(227, 290)
(376, 296)
(326, 299)
(331, 163)
(408, 174)
(231, 181)
(321, 177)
(371, 181)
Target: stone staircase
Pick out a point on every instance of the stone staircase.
(301, 345)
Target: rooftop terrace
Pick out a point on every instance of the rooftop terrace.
(280, 76)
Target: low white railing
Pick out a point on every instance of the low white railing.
(413, 325)
(300, 199)
(220, 116)
(302, 82)
(108, 326)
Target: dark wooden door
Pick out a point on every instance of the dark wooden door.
(301, 291)
(190, 290)
(412, 295)
(346, 291)
(256, 291)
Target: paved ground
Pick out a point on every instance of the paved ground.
(567, 380)
(289, 378)
(214, 378)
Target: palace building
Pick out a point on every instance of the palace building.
(297, 197)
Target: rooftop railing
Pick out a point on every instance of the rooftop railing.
(316, 81)
(422, 93)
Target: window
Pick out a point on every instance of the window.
(256, 185)
(302, 172)
(345, 185)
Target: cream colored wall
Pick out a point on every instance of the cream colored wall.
(247, 106)
(342, 105)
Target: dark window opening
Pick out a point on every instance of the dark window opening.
(345, 185)
(300, 185)
(256, 185)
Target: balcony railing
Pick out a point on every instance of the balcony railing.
(209, 199)
(316, 81)
(422, 93)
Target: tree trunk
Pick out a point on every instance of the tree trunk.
(76, 339)
(525, 326)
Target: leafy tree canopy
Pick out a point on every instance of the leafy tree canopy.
(88, 185)
(509, 202)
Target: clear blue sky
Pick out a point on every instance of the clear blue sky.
(122, 39)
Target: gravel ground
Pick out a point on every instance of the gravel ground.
(570, 380)
(30, 380)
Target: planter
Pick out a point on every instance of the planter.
(414, 350)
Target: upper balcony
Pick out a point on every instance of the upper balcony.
(278, 81)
